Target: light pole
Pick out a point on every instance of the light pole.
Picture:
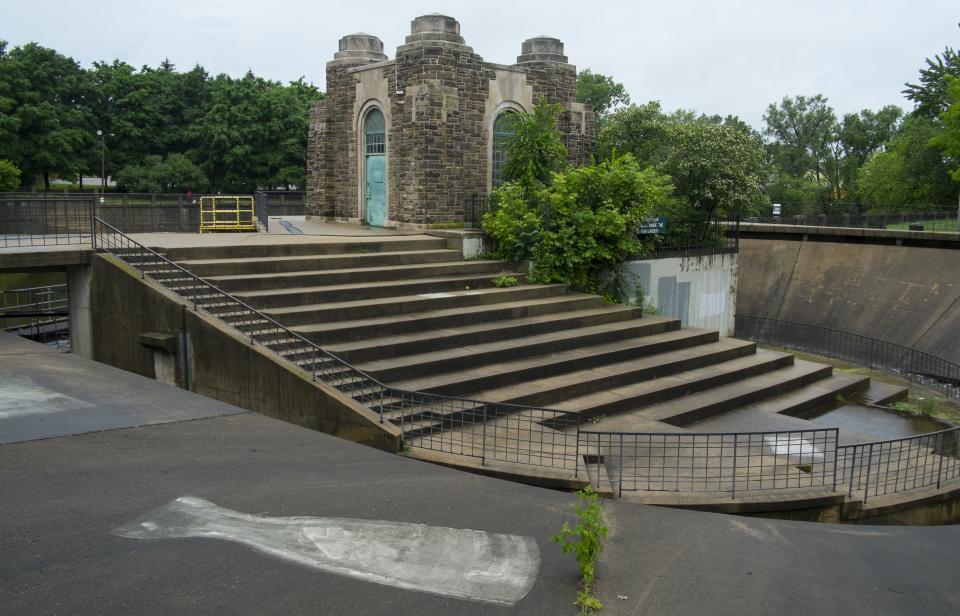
(103, 162)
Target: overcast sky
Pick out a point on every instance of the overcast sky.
(719, 57)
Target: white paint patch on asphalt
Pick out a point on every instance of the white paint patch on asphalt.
(20, 395)
(467, 564)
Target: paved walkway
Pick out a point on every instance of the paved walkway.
(63, 496)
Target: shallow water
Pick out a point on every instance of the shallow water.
(877, 422)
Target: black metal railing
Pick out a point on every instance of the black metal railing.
(692, 236)
(897, 465)
(939, 221)
(41, 219)
(47, 222)
(682, 462)
(261, 210)
(917, 366)
(727, 463)
(39, 313)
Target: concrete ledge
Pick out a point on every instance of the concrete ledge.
(43, 258)
(928, 239)
(920, 506)
(765, 502)
(520, 473)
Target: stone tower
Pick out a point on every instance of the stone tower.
(437, 103)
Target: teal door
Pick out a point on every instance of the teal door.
(376, 190)
(375, 168)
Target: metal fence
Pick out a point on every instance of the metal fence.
(897, 465)
(679, 462)
(716, 463)
(47, 222)
(917, 366)
(39, 313)
(695, 236)
(42, 219)
(942, 221)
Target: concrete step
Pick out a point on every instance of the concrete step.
(478, 333)
(444, 359)
(275, 265)
(511, 372)
(688, 397)
(368, 331)
(702, 350)
(671, 391)
(404, 305)
(827, 393)
(287, 280)
(329, 294)
(885, 394)
(253, 249)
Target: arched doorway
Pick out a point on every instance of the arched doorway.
(502, 131)
(375, 168)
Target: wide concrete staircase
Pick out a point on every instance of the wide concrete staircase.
(410, 312)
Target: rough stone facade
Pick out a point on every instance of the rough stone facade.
(440, 100)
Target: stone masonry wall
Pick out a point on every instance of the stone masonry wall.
(439, 99)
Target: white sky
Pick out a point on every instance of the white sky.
(715, 56)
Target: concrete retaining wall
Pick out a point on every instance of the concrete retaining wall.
(219, 362)
(700, 291)
(907, 295)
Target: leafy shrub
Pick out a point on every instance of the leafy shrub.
(579, 229)
(504, 280)
(9, 176)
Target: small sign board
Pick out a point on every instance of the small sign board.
(776, 209)
(656, 225)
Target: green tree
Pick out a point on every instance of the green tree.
(716, 169)
(535, 151)
(930, 94)
(860, 135)
(46, 123)
(884, 184)
(9, 176)
(801, 130)
(254, 133)
(949, 139)
(601, 92)
(639, 130)
(171, 174)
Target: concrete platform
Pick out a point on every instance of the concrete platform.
(63, 496)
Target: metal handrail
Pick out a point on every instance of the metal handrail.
(916, 365)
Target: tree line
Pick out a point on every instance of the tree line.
(161, 130)
(805, 155)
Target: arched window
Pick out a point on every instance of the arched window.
(502, 131)
(375, 133)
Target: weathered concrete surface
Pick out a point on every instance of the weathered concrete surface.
(701, 291)
(43, 258)
(33, 405)
(63, 496)
(221, 363)
(903, 294)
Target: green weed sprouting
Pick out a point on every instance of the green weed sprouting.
(586, 542)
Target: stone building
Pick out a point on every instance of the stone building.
(419, 139)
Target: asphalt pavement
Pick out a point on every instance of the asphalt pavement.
(69, 485)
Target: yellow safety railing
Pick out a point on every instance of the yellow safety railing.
(227, 213)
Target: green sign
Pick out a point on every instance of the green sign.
(656, 225)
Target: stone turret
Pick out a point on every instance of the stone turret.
(435, 27)
(541, 49)
(360, 47)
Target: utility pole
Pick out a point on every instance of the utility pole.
(103, 162)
